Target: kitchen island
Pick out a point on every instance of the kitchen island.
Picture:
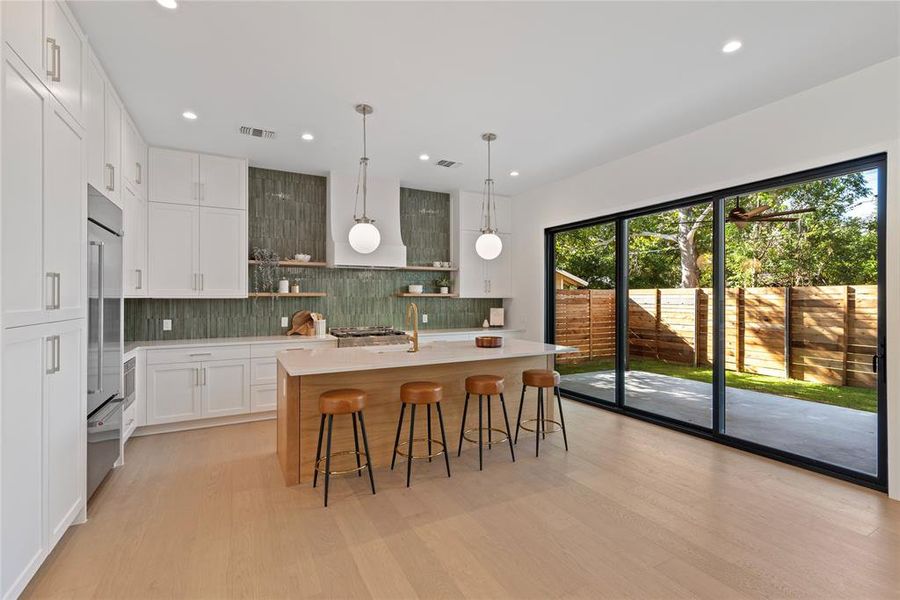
(304, 374)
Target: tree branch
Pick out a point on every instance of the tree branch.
(669, 237)
(696, 225)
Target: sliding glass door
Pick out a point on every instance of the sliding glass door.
(754, 315)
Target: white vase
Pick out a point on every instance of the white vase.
(445, 290)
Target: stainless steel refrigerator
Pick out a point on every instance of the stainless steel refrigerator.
(104, 364)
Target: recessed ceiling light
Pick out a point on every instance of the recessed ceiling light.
(732, 46)
(190, 116)
(170, 4)
(308, 137)
(513, 173)
(424, 157)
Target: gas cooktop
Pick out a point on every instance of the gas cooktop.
(368, 336)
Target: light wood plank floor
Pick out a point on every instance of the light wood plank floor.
(632, 511)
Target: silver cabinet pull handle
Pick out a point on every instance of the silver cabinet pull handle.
(202, 282)
(58, 287)
(51, 355)
(112, 178)
(109, 177)
(140, 283)
(51, 291)
(138, 177)
(204, 376)
(56, 360)
(201, 354)
(54, 56)
(57, 60)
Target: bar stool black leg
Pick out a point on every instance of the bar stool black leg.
(562, 421)
(480, 448)
(519, 418)
(318, 451)
(409, 456)
(428, 407)
(508, 436)
(362, 427)
(462, 428)
(443, 438)
(537, 424)
(397, 437)
(356, 444)
(328, 458)
(543, 416)
(490, 435)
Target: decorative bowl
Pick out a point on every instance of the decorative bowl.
(302, 257)
(488, 341)
(415, 289)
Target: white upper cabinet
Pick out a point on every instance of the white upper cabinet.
(113, 146)
(223, 252)
(134, 161)
(174, 176)
(173, 247)
(134, 216)
(479, 278)
(64, 51)
(95, 124)
(43, 203)
(223, 182)
(23, 31)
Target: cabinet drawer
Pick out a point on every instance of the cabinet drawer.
(263, 398)
(129, 421)
(195, 354)
(270, 350)
(263, 371)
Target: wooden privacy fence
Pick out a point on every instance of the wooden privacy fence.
(823, 334)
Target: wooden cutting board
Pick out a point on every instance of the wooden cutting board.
(302, 323)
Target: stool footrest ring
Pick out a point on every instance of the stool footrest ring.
(364, 465)
(485, 442)
(551, 421)
(420, 456)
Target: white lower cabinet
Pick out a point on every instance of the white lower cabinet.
(226, 388)
(42, 444)
(263, 398)
(173, 393)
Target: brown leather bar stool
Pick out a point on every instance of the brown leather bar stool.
(541, 379)
(484, 385)
(342, 402)
(415, 393)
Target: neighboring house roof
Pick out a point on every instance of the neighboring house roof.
(571, 279)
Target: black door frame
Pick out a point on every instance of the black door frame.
(717, 431)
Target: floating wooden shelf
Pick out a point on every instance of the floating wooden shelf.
(426, 295)
(424, 268)
(277, 295)
(294, 263)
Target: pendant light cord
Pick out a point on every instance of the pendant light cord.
(362, 174)
(488, 202)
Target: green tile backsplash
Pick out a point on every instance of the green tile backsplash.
(287, 214)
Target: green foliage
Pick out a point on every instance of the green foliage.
(833, 245)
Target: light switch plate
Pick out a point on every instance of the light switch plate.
(167, 324)
(425, 318)
(284, 321)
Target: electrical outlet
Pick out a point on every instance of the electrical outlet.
(425, 318)
(284, 321)
(167, 324)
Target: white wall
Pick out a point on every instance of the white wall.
(847, 118)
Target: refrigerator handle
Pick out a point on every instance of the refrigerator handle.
(100, 311)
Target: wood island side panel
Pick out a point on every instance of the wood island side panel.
(298, 408)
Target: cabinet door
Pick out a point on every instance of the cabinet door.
(113, 145)
(173, 393)
(226, 388)
(223, 182)
(25, 286)
(134, 162)
(174, 176)
(172, 247)
(95, 125)
(135, 225)
(497, 272)
(21, 457)
(223, 252)
(64, 391)
(471, 280)
(64, 53)
(65, 199)
(263, 398)
(23, 30)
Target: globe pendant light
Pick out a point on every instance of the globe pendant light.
(364, 236)
(488, 245)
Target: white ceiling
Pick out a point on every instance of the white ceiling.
(566, 86)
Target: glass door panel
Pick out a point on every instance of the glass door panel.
(669, 349)
(802, 319)
(585, 310)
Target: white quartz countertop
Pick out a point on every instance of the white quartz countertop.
(318, 361)
(226, 341)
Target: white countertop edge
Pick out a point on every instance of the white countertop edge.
(322, 361)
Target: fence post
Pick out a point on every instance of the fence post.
(787, 332)
(696, 326)
(590, 324)
(845, 343)
(738, 329)
(658, 319)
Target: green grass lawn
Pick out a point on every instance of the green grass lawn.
(850, 397)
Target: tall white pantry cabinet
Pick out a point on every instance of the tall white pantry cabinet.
(43, 221)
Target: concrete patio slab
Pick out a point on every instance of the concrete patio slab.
(833, 434)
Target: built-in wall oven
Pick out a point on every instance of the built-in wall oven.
(104, 376)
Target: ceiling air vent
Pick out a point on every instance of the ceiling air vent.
(448, 164)
(255, 132)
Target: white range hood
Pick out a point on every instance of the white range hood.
(383, 207)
